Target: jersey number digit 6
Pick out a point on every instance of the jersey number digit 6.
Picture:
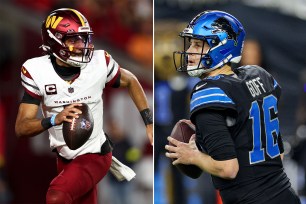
(266, 124)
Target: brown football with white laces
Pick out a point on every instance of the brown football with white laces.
(182, 131)
(79, 130)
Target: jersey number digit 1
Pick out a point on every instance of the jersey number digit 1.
(270, 126)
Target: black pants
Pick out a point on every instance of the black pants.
(288, 196)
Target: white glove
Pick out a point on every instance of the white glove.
(121, 171)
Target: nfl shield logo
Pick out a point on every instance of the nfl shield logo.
(70, 90)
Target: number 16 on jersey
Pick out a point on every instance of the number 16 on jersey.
(264, 124)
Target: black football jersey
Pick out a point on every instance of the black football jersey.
(251, 96)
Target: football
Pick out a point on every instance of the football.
(182, 131)
(79, 130)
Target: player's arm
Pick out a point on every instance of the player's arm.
(28, 125)
(184, 153)
(129, 81)
(221, 159)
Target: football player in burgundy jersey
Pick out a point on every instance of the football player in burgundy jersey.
(72, 73)
(238, 139)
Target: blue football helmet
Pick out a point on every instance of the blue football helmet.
(222, 32)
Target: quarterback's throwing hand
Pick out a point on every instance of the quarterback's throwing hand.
(180, 152)
(69, 112)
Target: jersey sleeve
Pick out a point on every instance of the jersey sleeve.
(113, 70)
(29, 84)
(210, 95)
(213, 135)
(27, 98)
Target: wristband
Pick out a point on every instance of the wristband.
(52, 120)
(46, 123)
(146, 116)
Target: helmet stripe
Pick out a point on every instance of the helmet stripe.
(79, 15)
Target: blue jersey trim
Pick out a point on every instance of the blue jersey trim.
(209, 95)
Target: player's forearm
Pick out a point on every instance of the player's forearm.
(137, 94)
(28, 127)
(129, 80)
(225, 169)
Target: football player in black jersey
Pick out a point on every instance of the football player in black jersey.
(238, 139)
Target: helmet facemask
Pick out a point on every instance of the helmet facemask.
(68, 53)
(204, 59)
(78, 55)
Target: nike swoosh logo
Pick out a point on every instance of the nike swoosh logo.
(200, 86)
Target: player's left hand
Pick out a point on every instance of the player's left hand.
(149, 129)
(182, 153)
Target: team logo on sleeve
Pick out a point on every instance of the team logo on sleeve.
(24, 71)
(50, 89)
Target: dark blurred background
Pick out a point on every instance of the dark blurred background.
(123, 28)
(276, 40)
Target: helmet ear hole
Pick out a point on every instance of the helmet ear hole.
(207, 62)
(58, 35)
(213, 42)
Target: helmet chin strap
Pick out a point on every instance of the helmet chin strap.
(72, 61)
(198, 71)
(194, 71)
(69, 62)
(75, 61)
